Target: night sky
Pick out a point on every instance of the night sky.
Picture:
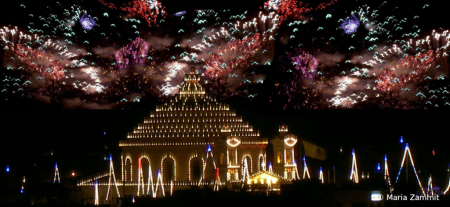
(80, 138)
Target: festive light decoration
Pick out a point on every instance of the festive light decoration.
(354, 171)
(407, 151)
(350, 24)
(209, 157)
(171, 187)
(321, 175)
(217, 182)
(264, 177)
(96, 200)
(125, 174)
(141, 183)
(305, 169)
(296, 171)
(290, 167)
(262, 162)
(245, 173)
(169, 156)
(23, 182)
(7, 168)
(430, 187)
(401, 139)
(386, 174)
(56, 177)
(233, 141)
(160, 183)
(448, 187)
(112, 178)
(378, 167)
(290, 140)
(87, 22)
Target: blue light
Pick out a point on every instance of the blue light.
(401, 139)
(209, 148)
(321, 169)
(353, 152)
(21, 190)
(110, 157)
(378, 167)
(303, 157)
(7, 168)
(56, 164)
(385, 157)
(270, 164)
(104, 132)
(406, 146)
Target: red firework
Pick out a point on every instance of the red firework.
(247, 49)
(419, 64)
(290, 8)
(38, 60)
(149, 11)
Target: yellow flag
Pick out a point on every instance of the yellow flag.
(314, 151)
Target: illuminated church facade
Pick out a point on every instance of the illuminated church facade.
(194, 140)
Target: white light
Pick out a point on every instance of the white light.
(376, 196)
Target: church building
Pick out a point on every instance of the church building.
(193, 140)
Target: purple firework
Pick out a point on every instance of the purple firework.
(350, 25)
(305, 64)
(300, 67)
(179, 14)
(135, 52)
(87, 22)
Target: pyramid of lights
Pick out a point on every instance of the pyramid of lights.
(193, 140)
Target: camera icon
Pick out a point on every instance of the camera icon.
(376, 196)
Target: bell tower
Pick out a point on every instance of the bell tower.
(284, 154)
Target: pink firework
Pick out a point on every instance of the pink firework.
(304, 63)
(292, 90)
(135, 52)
